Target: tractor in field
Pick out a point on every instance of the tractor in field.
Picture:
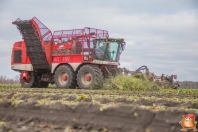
(69, 58)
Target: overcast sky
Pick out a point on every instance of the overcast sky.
(161, 34)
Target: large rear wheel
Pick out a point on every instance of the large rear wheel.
(90, 76)
(64, 77)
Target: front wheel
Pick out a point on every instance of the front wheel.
(64, 77)
(27, 83)
(90, 76)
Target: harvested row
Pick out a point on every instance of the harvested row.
(87, 117)
(94, 110)
(103, 100)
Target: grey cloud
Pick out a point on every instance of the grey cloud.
(159, 34)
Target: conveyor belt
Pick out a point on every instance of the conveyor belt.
(33, 44)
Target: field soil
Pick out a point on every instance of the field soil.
(67, 110)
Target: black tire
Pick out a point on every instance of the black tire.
(96, 81)
(113, 72)
(68, 71)
(30, 84)
(74, 83)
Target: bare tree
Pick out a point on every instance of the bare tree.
(5, 80)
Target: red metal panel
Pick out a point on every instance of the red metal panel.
(67, 59)
(20, 46)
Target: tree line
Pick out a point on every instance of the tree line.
(6, 80)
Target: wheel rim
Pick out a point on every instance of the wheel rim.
(63, 78)
(26, 81)
(86, 78)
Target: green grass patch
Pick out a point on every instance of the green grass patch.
(10, 85)
(130, 83)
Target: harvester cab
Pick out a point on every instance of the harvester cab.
(108, 49)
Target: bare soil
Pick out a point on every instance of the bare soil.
(53, 110)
